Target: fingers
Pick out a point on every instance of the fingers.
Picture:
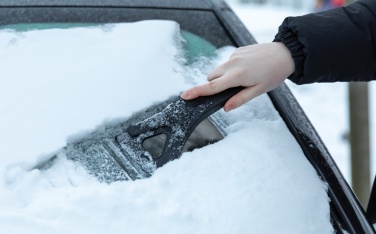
(242, 97)
(210, 88)
(216, 73)
(260, 68)
(234, 102)
(220, 78)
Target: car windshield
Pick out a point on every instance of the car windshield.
(66, 87)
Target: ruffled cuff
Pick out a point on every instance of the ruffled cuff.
(287, 37)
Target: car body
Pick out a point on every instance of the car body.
(215, 22)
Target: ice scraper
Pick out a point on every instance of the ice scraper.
(135, 148)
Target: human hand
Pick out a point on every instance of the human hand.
(259, 68)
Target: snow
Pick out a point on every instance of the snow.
(47, 98)
(59, 83)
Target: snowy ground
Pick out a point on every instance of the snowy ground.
(326, 105)
(55, 86)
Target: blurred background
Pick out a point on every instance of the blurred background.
(342, 113)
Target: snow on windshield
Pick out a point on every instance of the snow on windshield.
(57, 83)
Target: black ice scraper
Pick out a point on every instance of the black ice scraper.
(135, 148)
(172, 126)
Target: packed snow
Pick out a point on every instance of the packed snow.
(62, 82)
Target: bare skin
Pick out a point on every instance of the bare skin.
(259, 68)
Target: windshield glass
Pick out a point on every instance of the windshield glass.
(67, 90)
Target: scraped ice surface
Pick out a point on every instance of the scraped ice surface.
(59, 82)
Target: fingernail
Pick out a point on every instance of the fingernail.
(184, 95)
(229, 108)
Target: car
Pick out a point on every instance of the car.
(206, 25)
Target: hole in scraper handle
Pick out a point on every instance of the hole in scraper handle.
(155, 145)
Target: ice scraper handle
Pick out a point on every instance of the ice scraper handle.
(196, 110)
(216, 101)
(177, 121)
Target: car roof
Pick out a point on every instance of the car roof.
(178, 4)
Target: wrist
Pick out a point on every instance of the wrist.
(287, 65)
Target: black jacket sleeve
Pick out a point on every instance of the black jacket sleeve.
(334, 45)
